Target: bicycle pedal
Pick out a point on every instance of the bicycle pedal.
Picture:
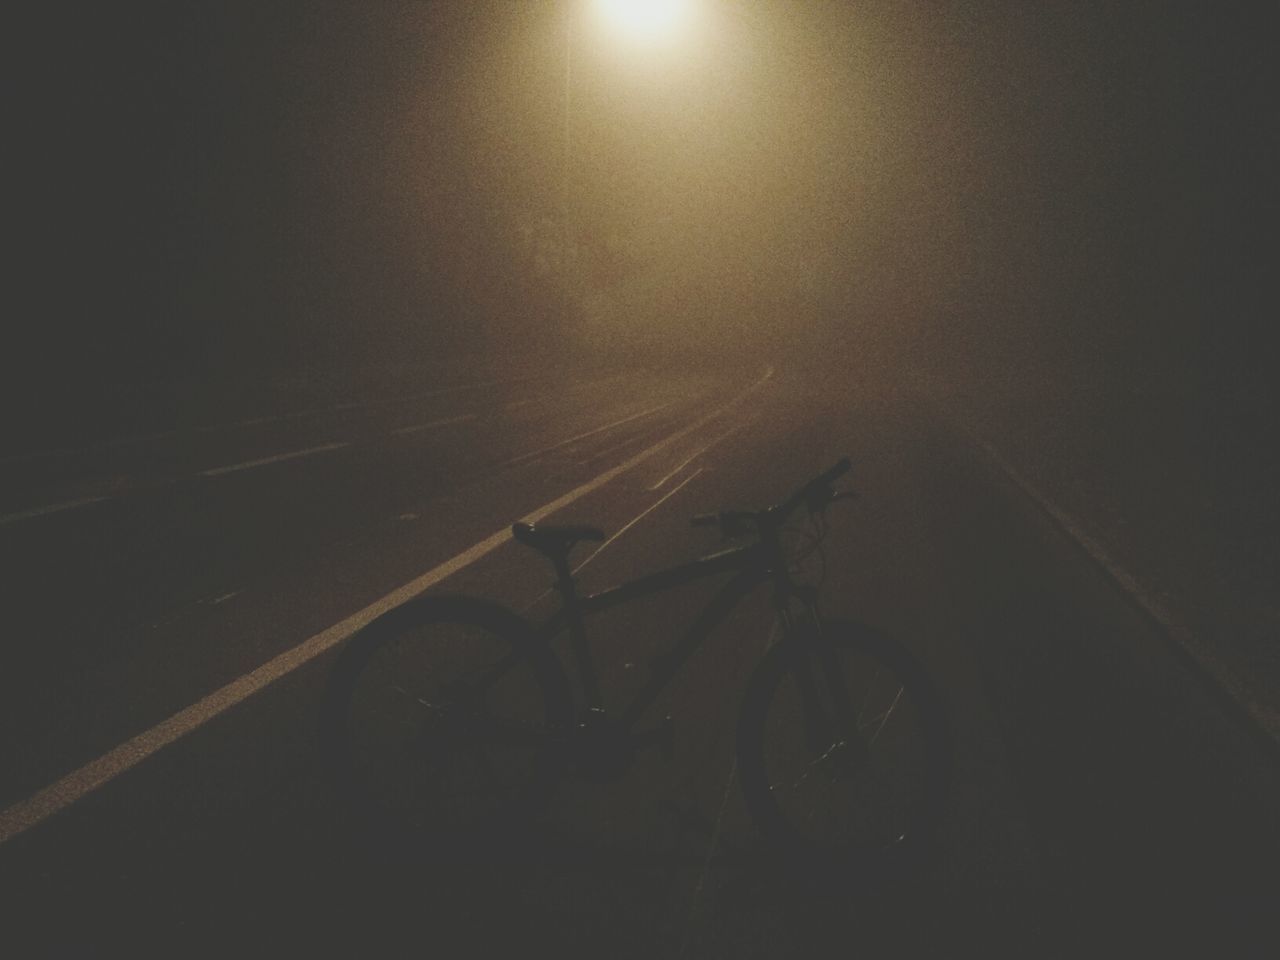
(662, 736)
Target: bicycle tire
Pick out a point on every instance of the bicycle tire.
(438, 689)
(876, 781)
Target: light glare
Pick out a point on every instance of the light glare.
(644, 18)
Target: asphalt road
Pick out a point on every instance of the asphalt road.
(1109, 800)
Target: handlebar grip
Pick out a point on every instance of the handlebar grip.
(819, 483)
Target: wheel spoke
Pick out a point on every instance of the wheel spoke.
(828, 795)
(814, 764)
(883, 718)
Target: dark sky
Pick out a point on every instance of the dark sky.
(204, 189)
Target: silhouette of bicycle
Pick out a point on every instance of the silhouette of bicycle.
(449, 720)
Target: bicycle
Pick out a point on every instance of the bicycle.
(448, 721)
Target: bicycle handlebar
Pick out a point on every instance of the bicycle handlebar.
(816, 487)
(817, 492)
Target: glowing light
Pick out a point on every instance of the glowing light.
(645, 19)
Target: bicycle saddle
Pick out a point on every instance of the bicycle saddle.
(554, 540)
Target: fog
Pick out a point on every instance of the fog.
(231, 190)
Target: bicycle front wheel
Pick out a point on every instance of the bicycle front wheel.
(842, 750)
(439, 727)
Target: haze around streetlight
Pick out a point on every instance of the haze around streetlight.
(645, 19)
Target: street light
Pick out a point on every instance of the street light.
(644, 21)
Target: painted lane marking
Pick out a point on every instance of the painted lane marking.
(582, 436)
(631, 523)
(278, 458)
(1264, 717)
(250, 464)
(49, 508)
(62, 793)
(401, 431)
(610, 451)
(249, 422)
(638, 517)
(419, 427)
(637, 438)
(724, 436)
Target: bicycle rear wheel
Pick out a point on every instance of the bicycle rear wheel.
(842, 751)
(439, 728)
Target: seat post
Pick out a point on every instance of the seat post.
(577, 631)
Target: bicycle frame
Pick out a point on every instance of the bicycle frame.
(754, 564)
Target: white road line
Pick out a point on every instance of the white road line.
(638, 517)
(278, 458)
(610, 451)
(1265, 717)
(582, 436)
(418, 428)
(684, 463)
(50, 508)
(631, 523)
(250, 422)
(59, 795)
(250, 464)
